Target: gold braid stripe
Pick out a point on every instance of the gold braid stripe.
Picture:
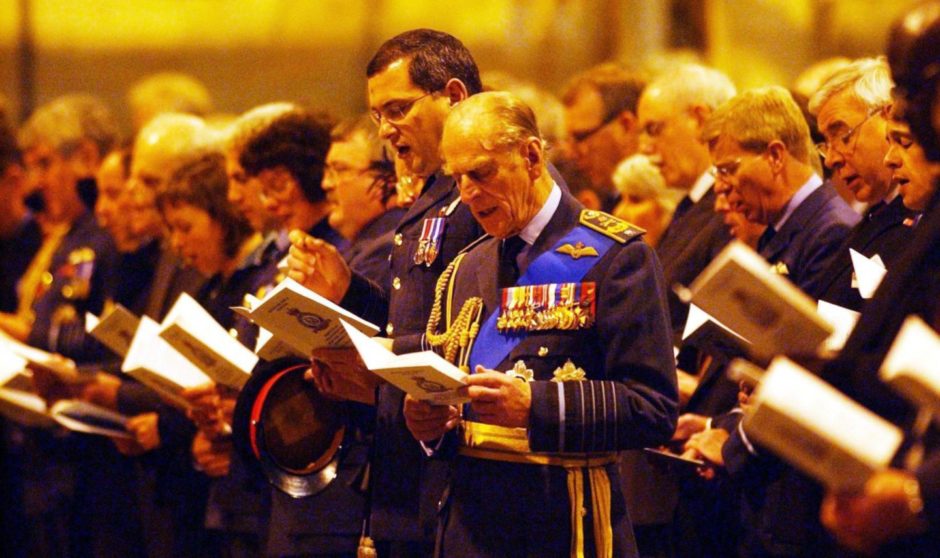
(460, 331)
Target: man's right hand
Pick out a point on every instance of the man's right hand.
(429, 422)
(689, 424)
(319, 266)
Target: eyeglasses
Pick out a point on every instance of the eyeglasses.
(728, 170)
(394, 111)
(583, 135)
(841, 143)
(337, 174)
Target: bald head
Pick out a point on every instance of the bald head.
(164, 145)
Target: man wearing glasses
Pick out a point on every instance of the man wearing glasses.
(851, 109)
(414, 80)
(764, 162)
(602, 127)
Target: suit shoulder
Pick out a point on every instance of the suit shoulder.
(610, 226)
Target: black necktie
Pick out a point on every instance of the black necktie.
(765, 238)
(684, 206)
(508, 261)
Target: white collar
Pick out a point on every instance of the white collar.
(537, 224)
(701, 186)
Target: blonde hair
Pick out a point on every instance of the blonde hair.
(693, 84)
(757, 117)
(67, 121)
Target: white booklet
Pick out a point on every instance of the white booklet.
(817, 429)
(842, 321)
(912, 365)
(13, 369)
(63, 368)
(303, 319)
(24, 407)
(739, 290)
(157, 365)
(195, 334)
(115, 329)
(87, 418)
(426, 376)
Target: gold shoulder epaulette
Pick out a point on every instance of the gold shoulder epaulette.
(608, 225)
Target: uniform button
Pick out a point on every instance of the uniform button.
(389, 329)
(543, 351)
(398, 239)
(396, 283)
(233, 332)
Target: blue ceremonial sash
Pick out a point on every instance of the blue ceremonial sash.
(492, 346)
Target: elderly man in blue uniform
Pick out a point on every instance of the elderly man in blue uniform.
(415, 79)
(572, 362)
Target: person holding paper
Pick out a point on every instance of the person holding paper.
(851, 109)
(414, 80)
(563, 375)
(766, 164)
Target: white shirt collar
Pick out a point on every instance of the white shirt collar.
(534, 228)
(701, 186)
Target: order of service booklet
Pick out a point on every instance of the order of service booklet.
(426, 375)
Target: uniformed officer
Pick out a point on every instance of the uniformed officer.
(562, 373)
(415, 79)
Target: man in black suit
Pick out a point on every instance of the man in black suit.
(851, 109)
(672, 113)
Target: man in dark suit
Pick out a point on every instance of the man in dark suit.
(672, 113)
(415, 79)
(897, 512)
(561, 390)
(851, 110)
(768, 173)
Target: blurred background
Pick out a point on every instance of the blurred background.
(314, 51)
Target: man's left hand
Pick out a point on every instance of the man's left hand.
(497, 398)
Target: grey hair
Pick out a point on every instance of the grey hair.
(693, 84)
(67, 121)
(253, 122)
(512, 120)
(638, 176)
(868, 79)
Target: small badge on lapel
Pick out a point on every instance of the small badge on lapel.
(577, 251)
(780, 268)
(77, 271)
(521, 371)
(429, 245)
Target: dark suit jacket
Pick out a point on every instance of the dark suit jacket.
(780, 506)
(688, 244)
(885, 231)
(629, 400)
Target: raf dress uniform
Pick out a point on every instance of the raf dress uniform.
(587, 324)
(405, 488)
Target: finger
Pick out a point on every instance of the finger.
(296, 237)
(480, 393)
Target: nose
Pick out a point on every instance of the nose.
(646, 144)
(833, 159)
(892, 159)
(176, 242)
(328, 183)
(468, 192)
(386, 130)
(234, 192)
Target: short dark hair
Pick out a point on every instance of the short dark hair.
(203, 183)
(619, 88)
(296, 140)
(436, 58)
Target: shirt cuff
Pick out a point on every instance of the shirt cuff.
(747, 443)
(429, 451)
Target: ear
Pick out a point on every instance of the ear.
(534, 154)
(627, 120)
(85, 159)
(776, 155)
(699, 114)
(456, 91)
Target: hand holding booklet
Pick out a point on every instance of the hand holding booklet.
(426, 376)
(817, 429)
(303, 319)
(195, 334)
(64, 369)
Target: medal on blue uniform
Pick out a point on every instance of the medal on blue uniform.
(429, 245)
(561, 306)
